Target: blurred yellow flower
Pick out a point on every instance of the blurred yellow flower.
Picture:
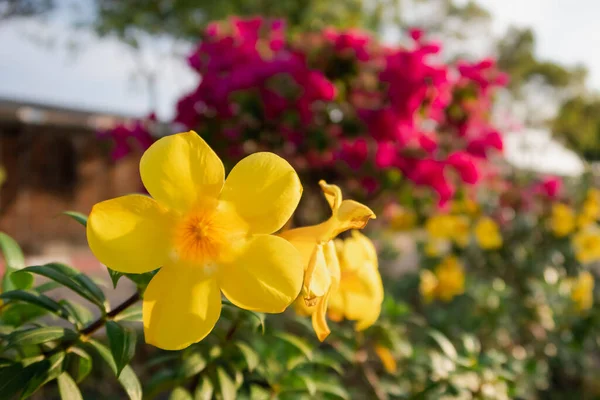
(590, 211)
(461, 230)
(488, 234)
(582, 291)
(436, 247)
(387, 359)
(206, 234)
(562, 220)
(465, 206)
(440, 226)
(319, 257)
(587, 245)
(427, 285)
(360, 292)
(446, 282)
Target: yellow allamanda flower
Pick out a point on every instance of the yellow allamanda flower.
(208, 236)
(562, 220)
(582, 291)
(461, 230)
(587, 245)
(360, 291)
(590, 211)
(440, 226)
(321, 265)
(427, 285)
(445, 282)
(488, 234)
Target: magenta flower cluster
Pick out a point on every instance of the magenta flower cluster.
(340, 101)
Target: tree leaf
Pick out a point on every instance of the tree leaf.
(33, 336)
(444, 343)
(122, 344)
(114, 276)
(68, 388)
(127, 378)
(73, 279)
(43, 372)
(192, 364)
(332, 389)
(226, 385)
(204, 390)
(38, 299)
(81, 363)
(77, 216)
(250, 355)
(180, 393)
(81, 314)
(297, 342)
(15, 261)
(13, 378)
(132, 314)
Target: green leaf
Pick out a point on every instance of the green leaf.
(73, 279)
(46, 287)
(12, 252)
(38, 336)
(297, 342)
(226, 385)
(122, 344)
(12, 379)
(77, 216)
(260, 317)
(15, 261)
(114, 276)
(204, 390)
(127, 378)
(180, 393)
(43, 372)
(332, 389)
(250, 355)
(81, 314)
(68, 388)
(81, 363)
(38, 299)
(311, 386)
(444, 343)
(133, 314)
(192, 364)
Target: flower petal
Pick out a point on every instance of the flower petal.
(179, 168)
(181, 306)
(265, 191)
(129, 234)
(266, 276)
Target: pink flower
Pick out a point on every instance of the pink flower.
(354, 152)
(386, 155)
(549, 187)
(465, 165)
(481, 146)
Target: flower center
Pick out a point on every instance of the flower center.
(207, 234)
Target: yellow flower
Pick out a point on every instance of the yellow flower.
(316, 246)
(461, 230)
(360, 292)
(447, 281)
(582, 292)
(208, 235)
(440, 226)
(428, 285)
(487, 234)
(587, 245)
(436, 247)
(562, 221)
(451, 279)
(387, 359)
(590, 210)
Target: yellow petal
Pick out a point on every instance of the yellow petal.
(319, 318)
(130, 233)
(317, 277)
(266, 276)
(265, 190)
(178, 169)
(387, 359)
(181, 306)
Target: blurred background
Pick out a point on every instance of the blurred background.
(424, 110)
